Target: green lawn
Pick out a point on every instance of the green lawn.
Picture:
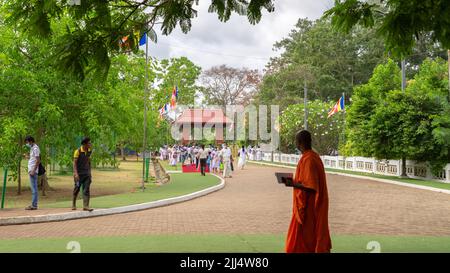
(223, 243)
(180, 184)
(422, 182)
(429, 183)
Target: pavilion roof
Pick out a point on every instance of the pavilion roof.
(200, 116)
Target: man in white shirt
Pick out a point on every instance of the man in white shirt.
(33, 168)
(203, 155)
(197, 161)
(226, 157)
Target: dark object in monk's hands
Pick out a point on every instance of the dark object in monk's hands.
(285, 178)
(288, 180)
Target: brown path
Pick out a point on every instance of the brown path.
(252, 202)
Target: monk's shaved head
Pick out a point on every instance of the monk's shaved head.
(303, 140)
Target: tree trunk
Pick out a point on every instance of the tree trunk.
(122, 152)
(19, 174)
(403, 174)
(19, 177)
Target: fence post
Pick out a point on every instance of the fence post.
(447, 173)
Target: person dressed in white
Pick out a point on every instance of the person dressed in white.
(203, 155)
(226, 159)
(161, 153)
(242, 158)
(174, 155)
(258, 154)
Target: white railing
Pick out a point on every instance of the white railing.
(368, 165)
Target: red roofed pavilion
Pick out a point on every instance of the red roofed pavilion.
(191, 118)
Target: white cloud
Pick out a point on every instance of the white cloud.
(236, 43)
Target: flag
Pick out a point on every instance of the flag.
(161, 112)
(339, 106)
(173, 100)
(176, 92)
(143, 39)
(124, 43)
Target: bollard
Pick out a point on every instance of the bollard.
(147, 167)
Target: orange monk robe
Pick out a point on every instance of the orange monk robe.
(308, 231)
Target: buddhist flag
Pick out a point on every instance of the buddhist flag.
(173, 100)
(143, 40)
(339, 106)
(124, 43)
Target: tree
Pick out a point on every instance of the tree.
(223, 85)
(58, 110)
(399, 22)
(386, 123)
(329, 61)
(325, 131)
(96, 29)
(365, 99)
(180, 72)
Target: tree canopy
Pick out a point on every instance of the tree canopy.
(94, 30)
(57, 109)
(387, 123)
(401, 23)
(328, 61)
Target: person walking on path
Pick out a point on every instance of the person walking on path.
(82, 173)
(308, 230)
(242, 158)
(226, 159)
(33, 168)
(202, 155)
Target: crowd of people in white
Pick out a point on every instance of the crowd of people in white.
(217, 158)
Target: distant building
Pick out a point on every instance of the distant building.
(198, 118)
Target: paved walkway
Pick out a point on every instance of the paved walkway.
(253, 203)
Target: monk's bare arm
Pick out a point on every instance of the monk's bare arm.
(290, 182)
(302, 187)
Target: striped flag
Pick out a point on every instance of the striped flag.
(173, 100)
(339, 106)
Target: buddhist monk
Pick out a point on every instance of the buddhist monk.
(308, 231)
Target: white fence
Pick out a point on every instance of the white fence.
(368, 165)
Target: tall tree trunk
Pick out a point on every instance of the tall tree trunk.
(19, 177)
(403, 167)
(122, 152)
(19, 174)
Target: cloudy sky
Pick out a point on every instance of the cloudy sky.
(236, 43)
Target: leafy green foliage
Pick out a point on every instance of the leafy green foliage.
(58, 109)
(96, 28)
(386, 123)
(399, 22)
(325, 131)
(328, 61)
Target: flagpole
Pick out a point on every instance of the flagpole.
(343, 127)
(305, 99)
(144, 145)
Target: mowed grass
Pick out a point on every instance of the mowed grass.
(180, 184)
(421, 182)
(110, 188)
(266, 243)
(428, 183)
(105, 181)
